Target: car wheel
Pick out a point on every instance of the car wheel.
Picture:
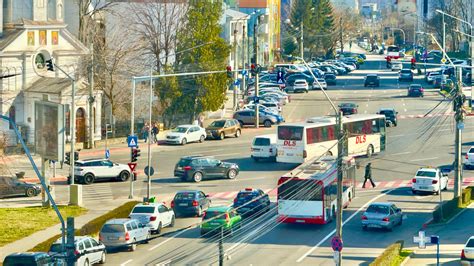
(256, 159)
(370, 151)
(413, 191)
(148, 237)
(401, 221)
(222, 136)
(172, 221)
(231, 174)
(329, 153)
(237, 133)
(86, 263)
(390, 228)
(197, 177)
(267, 123)
(88, 179)
(124, 176)
(133, 246)
(202, 138)
(199, 213)
(184, 141)
(30, 192)
(102, 259)
(158, 230)
(364, 227)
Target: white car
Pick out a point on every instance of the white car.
(154, 215)
(300, 85)
(397, 65)
(268, 107)
(429, 180)
(469, 159)
(264, 147)
(88, 171)
(88, 250)
(186, 133)
(431, 76)
(467, 253)
(320, 85)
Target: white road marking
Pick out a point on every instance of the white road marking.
(346, 221)
(425, 159)
(125, 263)
(401, 153)
(171, 238)
(227, 154)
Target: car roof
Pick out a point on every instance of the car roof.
(416, 84)
(347, 104)
(191, 157)
(27, 254)
(372, 75)
(91, 160)
(118, 221)
(149, 204)
(219, 208)
(76, 239)
(428, 169)
(185, 126)
(387, 109)
(381, 204)
(188, 191)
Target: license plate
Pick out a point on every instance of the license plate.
(374, 225)
(183, 204)
(300, 221)
(112, 238)
(289, 154)
(256, 149)
(423, 187)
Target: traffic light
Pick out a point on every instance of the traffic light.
(49, 65)
(67, 160)
(253, 69)
(135, 154)
(229, 71)
(76, 156)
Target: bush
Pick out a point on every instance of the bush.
(389, 255)
(466, 196)
(448, 208)
(92, 227)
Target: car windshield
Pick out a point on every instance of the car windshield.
(413, 87)
(378, 209)
(371, 77)
(387, 112)
(184, 162)
(214, 214)
(246, 195)
(347, 105)
(426, 173)
(185, 196)
(219, 123)
(112, 228)
(470, 243)
(471, 150)
(405, 71)
(56, 247)
(180, 129)
(143, 209)
(261, 142)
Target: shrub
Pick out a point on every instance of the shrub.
(445, 210)
(466, 196)
(389, 255)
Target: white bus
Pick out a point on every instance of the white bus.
(308, 194)
(299, 142)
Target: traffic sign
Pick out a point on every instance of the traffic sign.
(280, 77)
(132, 141)
(244, 72)
(236, 82)
(460, 126)
(421, 239)
(152, 171)
(132, 166)
(107, 154)
(443, 60)
(336, 244)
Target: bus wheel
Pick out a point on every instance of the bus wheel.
(329, 153)
(370, 151)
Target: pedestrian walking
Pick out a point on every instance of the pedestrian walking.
(155, 130)
(368, 175)
(145, 130)
(201, 121)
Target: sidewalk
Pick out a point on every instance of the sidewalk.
(453, 236)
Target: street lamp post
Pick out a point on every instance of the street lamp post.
(403, 32)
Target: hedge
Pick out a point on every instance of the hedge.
(92, 227)
(451, 207)
(389, 255)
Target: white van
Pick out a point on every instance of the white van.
(264, 147)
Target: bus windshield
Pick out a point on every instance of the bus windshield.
(393, 48)
(290, 133)
(295, 189)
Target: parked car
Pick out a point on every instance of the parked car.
(467, 253)
(447, 85)
(251, 201)
(438, 79)
(220, 218)
(87, 250)
(320, 84)
(431, 180)
(405, 74)
(10, 187)
(300, 85)
(390, 116)
(29, 259)
(264, 147)
(186, 133)
(197, 168)
(372, 80)
(154, 215)
(385, 215)
(430, 76)
(247, 117)
(415, 90)
(330, 79)
(90, 170)
(190, 202)
(118, 233)
(219, 129)
(270, 107)
(290, 79)
(348, 108)
(469, 158)
(397, 65)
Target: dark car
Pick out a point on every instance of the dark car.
(372, 80)
(29, 258)
(348, 108)
(197, 168)
(405, 74)
(10, 187)
(415, 90)
(290, 79)
(251, 201)
(190, 202)
(390, 116)
(330, 79)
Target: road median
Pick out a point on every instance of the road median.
(393, 255)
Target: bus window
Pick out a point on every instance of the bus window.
(367, 127)
(375, 126)
(290, 133)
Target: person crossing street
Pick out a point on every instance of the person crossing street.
(368, 175)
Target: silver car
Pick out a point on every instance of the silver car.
(382, 215)
(117, 233)
(247, 117)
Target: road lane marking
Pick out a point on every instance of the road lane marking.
(401, 153)
(346, 221)
(227, 154)
(125, 263)
(171, 238)
(424, 159)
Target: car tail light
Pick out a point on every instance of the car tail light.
(364, 217)
(187, 168)
(101, 238)
(422, 90)
(152, 218)
(127, 236)
(413, 180)
(195, 203)
(434, 182)
(227, 218)
(235, 200)
(172, 204)
(467, 157)
(76, 252)
(354, 110)
(386, 219)
(463, 256)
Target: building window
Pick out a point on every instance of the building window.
(31, 38)
(39, 61)
(54, 37)
(12, 115)
(42, 37)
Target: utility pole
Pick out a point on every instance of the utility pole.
(91, 100)
(340, 36)
(243, 58)
(340, 155)
(221, 247)
(132, 132)
(234, 51)
(444, 38)
(148, 187)
(458, 116)
(302, 41)
(255, 40)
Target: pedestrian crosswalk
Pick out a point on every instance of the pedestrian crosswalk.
(99, 191)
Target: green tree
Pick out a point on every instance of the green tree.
(202, 93)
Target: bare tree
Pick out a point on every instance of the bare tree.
(87, 11)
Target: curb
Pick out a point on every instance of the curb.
(452, 218)
(409, 257)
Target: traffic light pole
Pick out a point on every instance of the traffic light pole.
(148, 188)
(257, 100)
(132, 132)
(458, 116)
(340, 154)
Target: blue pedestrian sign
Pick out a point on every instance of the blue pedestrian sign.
(132, 141)
(236, 82)
(280, 78)
(244, 72)
(107, 154)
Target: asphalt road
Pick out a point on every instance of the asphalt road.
(424, 137)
